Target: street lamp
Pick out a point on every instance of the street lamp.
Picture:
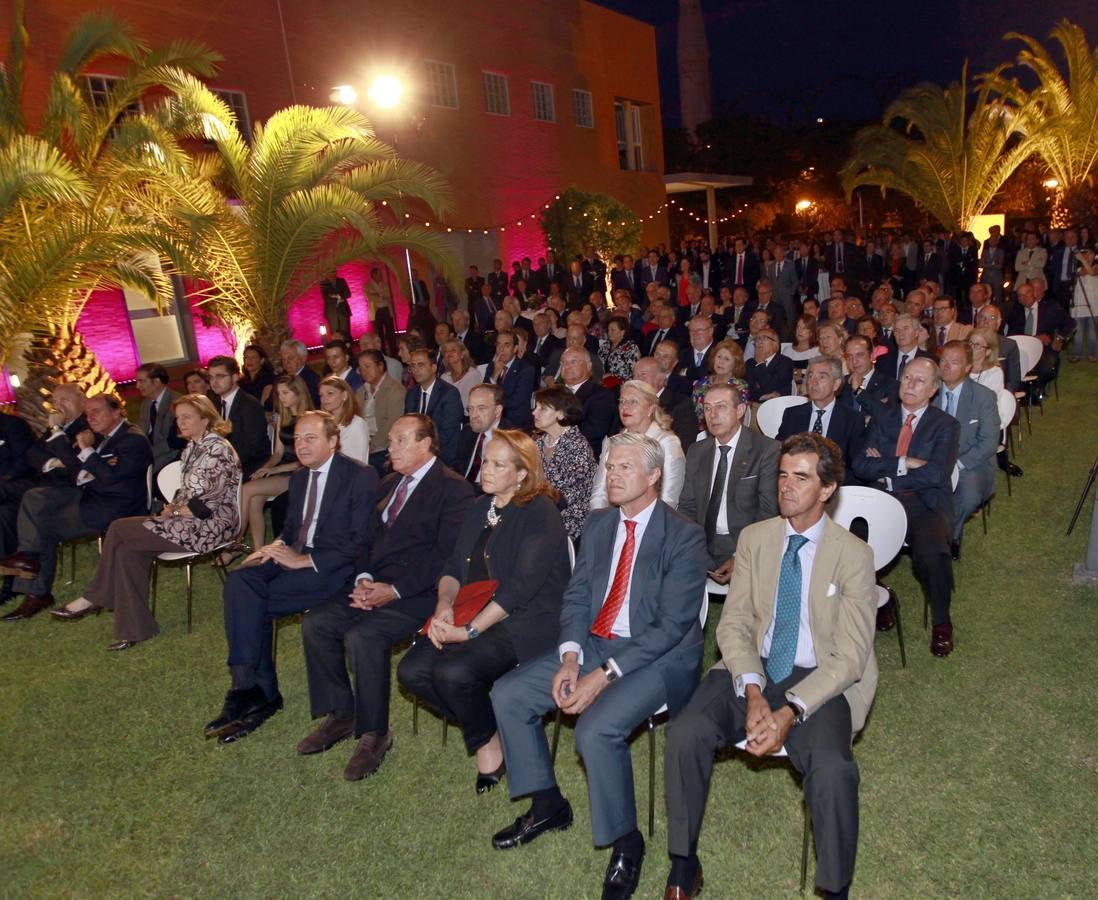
(344, 95)
(1051, 183)
(385, 91)
(804, 206)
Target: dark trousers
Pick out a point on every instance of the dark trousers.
(254, 597)
(386, 331)
(47, 517)
(819, 749)
(928, 536)
(339, 318)
(336, 633)
(121, 581)
(456, 680)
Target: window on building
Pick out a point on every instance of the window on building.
(584, 109)
(238, 103)
(99, 88)
(544, 110)
(497, 100)
(630, 136)
(441, 84)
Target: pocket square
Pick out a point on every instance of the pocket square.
(973, 421)
(832, 589)
(747, 477)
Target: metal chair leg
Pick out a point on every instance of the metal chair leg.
(556, 736)
(804, 844)
(900, 633)
(415, 715)
(188, 581)
(445, 729)
(651, 775)
(983, 515)
(153, 577)
(926, 612)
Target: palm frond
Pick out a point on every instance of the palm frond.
(99, 34)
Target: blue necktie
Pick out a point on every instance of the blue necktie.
(787, 613)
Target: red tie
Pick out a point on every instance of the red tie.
(739, 269)
(604, 621)
(904, 440)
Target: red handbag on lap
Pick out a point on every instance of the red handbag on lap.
(470, 599)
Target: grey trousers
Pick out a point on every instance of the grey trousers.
(47, 517)
(819, 749)
(522, 696)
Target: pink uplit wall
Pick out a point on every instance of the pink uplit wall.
(307, 312)
(210, 340)
(524, 241)
(104, 324)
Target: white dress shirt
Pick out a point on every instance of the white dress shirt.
(417, 476)
(722, 516)
(321, 481)
(825, 422)
(227, 402)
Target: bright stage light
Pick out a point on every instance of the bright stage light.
(386, 91)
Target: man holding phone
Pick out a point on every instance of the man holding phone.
(630, 642)
(731, 476)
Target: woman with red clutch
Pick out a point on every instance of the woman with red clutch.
(499, 597)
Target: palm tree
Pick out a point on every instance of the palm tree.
(68, 222)
(1063, 119)
(951, 153)
(314, 190)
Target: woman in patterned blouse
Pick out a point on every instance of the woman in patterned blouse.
(725, 363)
(620, 354)
(201, 517)
(565, 454)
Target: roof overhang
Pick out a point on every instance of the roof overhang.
(681, 182)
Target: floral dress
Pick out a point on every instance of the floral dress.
(572, 472)
(209, 487)
(619, 361)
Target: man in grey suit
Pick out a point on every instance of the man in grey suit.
(156, 419)
(630, 642)
(807, 689)
(976, 409)
(744, 462)
(785, 284)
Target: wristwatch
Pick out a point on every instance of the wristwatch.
(471, 631)
(610, 673)
(798, 713)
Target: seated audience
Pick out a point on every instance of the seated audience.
(439, 401)
(599, 417)
(725, 363)
(619, 354)
(199, 518)
(337, 360)
(985, 359)
(769, 374)
(510, 551)
(106, 478)
(460, 370)
(295, 361)
(640, 413)
(258, 376)
(516, 376)
(243, 412)
(155, 417)
(566, 455)
(337, 398)
(485, 418)
(331, 500)
(381, 398)
(678, 406)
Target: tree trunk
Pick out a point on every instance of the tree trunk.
(53, 356)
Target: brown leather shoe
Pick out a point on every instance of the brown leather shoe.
(329, 733)
(65, 614)
(20, 565)
(941, 640)
(368, 755)
(32, 605)
(674, 892)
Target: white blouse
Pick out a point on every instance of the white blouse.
(674, 470)
(354, 439)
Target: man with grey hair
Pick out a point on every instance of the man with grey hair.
(905, 330)
(630, 642)
(823, 415)
(910, 452)
(295, 361)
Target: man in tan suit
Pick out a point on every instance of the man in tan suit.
(797, 671)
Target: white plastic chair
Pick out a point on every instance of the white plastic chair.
(1008, 409)
(886, 522)
(1029, 353)
(770, 413)
(169, 480)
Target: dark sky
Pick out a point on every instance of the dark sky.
(843, 59)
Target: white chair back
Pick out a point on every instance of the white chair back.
(169, 479)
(884, 515)
(770, 413)
(1029, 350)
(1008, 408)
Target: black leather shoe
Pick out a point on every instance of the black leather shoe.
(525, 829)
(6, 592)
(250, 722)
(32, 605)
(238, 704)
(955, 550)
(487, 781)
(622, 876)
(67, 615)
(941, 640)
(1014, 470)
(886, 615)
(19, 565)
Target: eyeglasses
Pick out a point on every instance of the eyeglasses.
(977, 344)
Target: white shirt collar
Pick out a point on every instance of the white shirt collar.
(813, 532)
(642, 517)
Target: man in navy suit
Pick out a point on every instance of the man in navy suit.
(653, 271)
(16, 478)
(770, 373)
(823, 414)
(743, 268)
(600, 415)
(385, 597)
(1042, 318)
(330, 500)
(667, 328)
(104, 481)
(578, 284)
(910, 452)
(626, 278)
(294, 356)
(438, 400)
(692, 360)
(866, 389)
(516, 377)
(906, 331)
(630, 642)
(249, 435)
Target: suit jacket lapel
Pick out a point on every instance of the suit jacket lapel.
(600, 575)
(822, 567)
(770, 561)
(740, 459)
(705, 471)
(648, 556)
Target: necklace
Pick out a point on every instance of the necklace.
(493, 514)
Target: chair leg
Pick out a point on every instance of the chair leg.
(445, 729)
(153, 577)
(72, 564)
(415, 715)
(556, 736)
(1029, 418)
(804, 844)
(274, 639)
(189, 582)
(900, 633)
(983, 514)
(926, 611)
(651, 776)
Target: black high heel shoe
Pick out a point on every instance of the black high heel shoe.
(485, 782)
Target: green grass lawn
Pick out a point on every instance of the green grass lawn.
(979, 772)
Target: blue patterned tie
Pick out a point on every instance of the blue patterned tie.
(787, 613)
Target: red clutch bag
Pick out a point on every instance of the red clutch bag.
(470, 599)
